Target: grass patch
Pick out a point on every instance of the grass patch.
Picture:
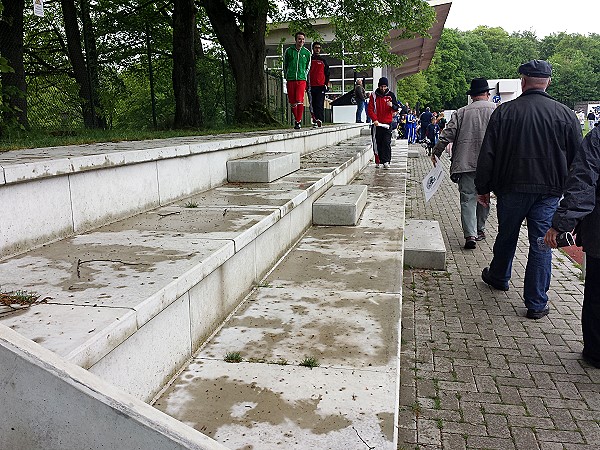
(309, 361)
(17, 139)
(190, 204)
(233, 357)
(23, 298)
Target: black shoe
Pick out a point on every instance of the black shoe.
(485, 276)
(297, 126)
(533, 314)
(480, 236)
(590, 360)
(470, 243)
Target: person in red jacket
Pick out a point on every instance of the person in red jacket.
(382, 104)
(319, 80)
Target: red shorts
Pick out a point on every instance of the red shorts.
(296, 89)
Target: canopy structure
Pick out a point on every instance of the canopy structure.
(418, 51)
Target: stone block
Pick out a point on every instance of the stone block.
(365, 131)
(340, 205)
(424, 246)
(262, 168)
(414, 153)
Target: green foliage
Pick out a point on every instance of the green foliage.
(493, 53)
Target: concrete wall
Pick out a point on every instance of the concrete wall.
(43, 201)
(50, 404)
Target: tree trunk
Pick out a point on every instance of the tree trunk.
(90, 108)
(246, 52)
(14, 86)
(92, 65)
(185, 84)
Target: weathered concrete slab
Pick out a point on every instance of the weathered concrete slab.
(345, 259)
(365, 131)
(262, 168)
(340, 205)
(275, 407)
(340, 329)
(424, 246)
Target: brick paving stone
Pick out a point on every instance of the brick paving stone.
(497, 425)
(453, 442)
(524, 438)
(485, 442)
(484, 372)
(530, 422)
(573, 437)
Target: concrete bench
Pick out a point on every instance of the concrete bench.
(262, 168)
(340, 205)
(424, 246)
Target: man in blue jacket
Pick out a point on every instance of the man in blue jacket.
(528, 147)
(580, 209)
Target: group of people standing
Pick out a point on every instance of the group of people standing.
(530, 153)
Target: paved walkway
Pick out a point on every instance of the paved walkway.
(476, 374)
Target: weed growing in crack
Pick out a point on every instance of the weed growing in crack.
(309, 361)
(233, 357)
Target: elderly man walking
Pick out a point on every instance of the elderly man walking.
(466, 130)
(528, 147)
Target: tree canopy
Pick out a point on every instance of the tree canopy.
(493, 53)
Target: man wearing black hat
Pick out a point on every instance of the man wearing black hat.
(382, 105)
(466, 129)
(528, 147)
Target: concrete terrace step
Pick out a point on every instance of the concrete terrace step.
(133, 300)
(340, 205)
(262, 168)
(49, 194)
(335, 297)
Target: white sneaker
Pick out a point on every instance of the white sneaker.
(377, 166)
(386, 165)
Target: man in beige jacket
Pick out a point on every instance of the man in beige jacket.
(466, 130)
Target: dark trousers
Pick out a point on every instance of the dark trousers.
(318, 102)
(590, 314)
(383, 137)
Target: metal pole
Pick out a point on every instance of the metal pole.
(225, 91)
(87, 62)
(151, 76)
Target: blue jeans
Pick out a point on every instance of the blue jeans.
(360, 107)
(538, 209)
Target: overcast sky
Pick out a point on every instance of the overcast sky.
(543, 18)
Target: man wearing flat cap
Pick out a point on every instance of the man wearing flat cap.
(528, 147)
(466, 129)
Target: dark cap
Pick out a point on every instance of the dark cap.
(383, 81)
(536, 68)
(478, 86)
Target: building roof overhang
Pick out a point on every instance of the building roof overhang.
(419, 51)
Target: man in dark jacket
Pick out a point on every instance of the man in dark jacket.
(319, 80)
(360, 96)
(424, 120)
(528, 147)
(580, 207)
